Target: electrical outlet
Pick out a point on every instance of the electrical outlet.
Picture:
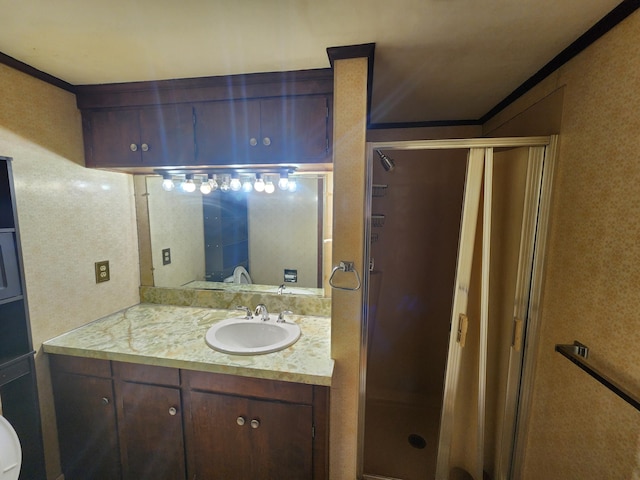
(102, 271)
(166, 256)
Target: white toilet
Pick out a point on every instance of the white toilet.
(240, 275)
(10, 451)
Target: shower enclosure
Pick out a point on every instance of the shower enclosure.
(456, 233)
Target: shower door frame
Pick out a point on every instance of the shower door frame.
(519, 403)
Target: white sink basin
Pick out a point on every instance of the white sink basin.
(241, 336)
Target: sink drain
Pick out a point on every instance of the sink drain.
(417, 441)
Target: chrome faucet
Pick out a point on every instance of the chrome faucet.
(247, 312)
(262, 312)
(281, 318)
(281, 288)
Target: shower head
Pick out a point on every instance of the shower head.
(387, 163)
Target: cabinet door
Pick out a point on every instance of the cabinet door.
(279, 446)
(86, 427)
(151, 439)
(112, 138)
(166, 135)
(227, 132)
(296, 129)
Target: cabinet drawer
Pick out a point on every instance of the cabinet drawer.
(250, 387)
(10, 372)
(133, 372)
(80, 365)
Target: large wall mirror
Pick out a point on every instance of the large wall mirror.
(282, 240)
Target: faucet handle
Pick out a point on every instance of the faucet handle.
(247, 312)
(281, 318)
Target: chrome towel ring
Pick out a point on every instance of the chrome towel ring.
(345, 266)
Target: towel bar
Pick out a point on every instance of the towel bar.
(578, 354)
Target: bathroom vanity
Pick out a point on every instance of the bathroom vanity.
(139, 395)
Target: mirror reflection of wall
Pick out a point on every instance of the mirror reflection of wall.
(284, 229)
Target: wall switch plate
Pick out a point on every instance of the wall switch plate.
(102, 271)
(166, 256)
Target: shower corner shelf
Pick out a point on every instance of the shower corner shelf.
(379, 190)
(377, 221)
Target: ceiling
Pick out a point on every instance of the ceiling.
(435, 60)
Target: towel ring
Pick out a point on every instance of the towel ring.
(344, 266)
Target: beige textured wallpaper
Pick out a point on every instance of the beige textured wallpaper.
(350, 88)
(176, 223)
(578, 429)
(69, 218)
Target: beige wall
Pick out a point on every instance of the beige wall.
(69, 218)
(350, 90)
(577, 428)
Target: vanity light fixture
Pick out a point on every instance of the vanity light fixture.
(167, 182)
(283, 182)
(188, 185)
(269, 187)
(259, 185)
(292, 186)
(225, 187)
(235, 183)
(247, 184)
(205, 186)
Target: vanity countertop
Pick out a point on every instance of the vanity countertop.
(173, 336)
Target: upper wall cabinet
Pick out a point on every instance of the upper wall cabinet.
(152, 136)
(271, 118)
(274, 130)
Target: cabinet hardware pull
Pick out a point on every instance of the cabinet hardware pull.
(145, 147)
(172, 411)
(255, 423)
(240, 421)
(266, 141)
(133, 147)
(253, 142)
(105, 401)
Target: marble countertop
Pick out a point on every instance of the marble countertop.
(173, 336)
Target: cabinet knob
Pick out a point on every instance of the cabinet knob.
(240, 421)
(145, 147)
(253, 141)
(105, 401)
(266, 141)
(255, 423)
(133, 147)
(173, 411)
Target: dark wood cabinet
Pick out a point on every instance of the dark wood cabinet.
(18, 385)
(236, 438)
(283, 130)
(150, 136)
(86, 418)
(266, 118)
(245, 428)
(121, 420)
(149, 422)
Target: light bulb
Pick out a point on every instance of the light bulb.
(167, 184)
(259, 185)
(269, 187)
(205, 187)
(283, 183)
(235, 184)
(188, 185)
(293, 186)
(213, 182)
(225, 184)
(247, 186)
